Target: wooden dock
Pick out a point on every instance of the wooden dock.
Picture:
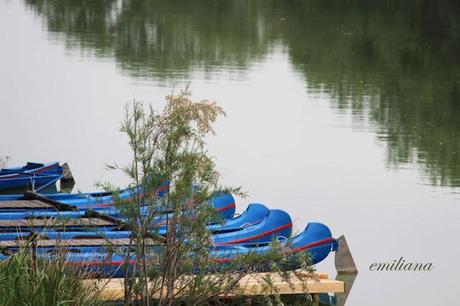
(24, 204)
(250, 285)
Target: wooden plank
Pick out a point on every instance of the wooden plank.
(320, 275)
(24, 204)
(250, 285)
(54, 222)
(31, 195)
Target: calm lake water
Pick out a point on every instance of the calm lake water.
(344, 112)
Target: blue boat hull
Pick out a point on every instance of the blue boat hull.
(316, 240)
(256, 225)
(30, 175)
(254, 214)
(277, 223)
(95, 200)
(224, 203)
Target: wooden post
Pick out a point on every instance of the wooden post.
(67, 180)
(344, 262)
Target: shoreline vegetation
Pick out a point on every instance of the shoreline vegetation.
(167, 147)
(24, 280)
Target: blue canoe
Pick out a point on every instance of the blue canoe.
(93, 200)
(253, 215)
(30, 176)
(316, 239)
(255, 226)
(277, 223)
(224, 203)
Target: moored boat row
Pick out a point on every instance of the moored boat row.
(88, 235)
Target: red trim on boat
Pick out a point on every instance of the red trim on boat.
(222, 260)
(311, 245)
(217, 260)
(100, 205)
(305, 247)
(229, 206)
(277, 229)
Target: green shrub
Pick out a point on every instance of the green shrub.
(25, 280)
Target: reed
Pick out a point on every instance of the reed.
(26, 280)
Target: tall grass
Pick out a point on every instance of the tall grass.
(28, 281)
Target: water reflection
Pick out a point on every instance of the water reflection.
(393, 64)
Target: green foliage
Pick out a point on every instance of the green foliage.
(170, 146)
(28, 281)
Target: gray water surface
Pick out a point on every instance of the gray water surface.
(343, 112)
